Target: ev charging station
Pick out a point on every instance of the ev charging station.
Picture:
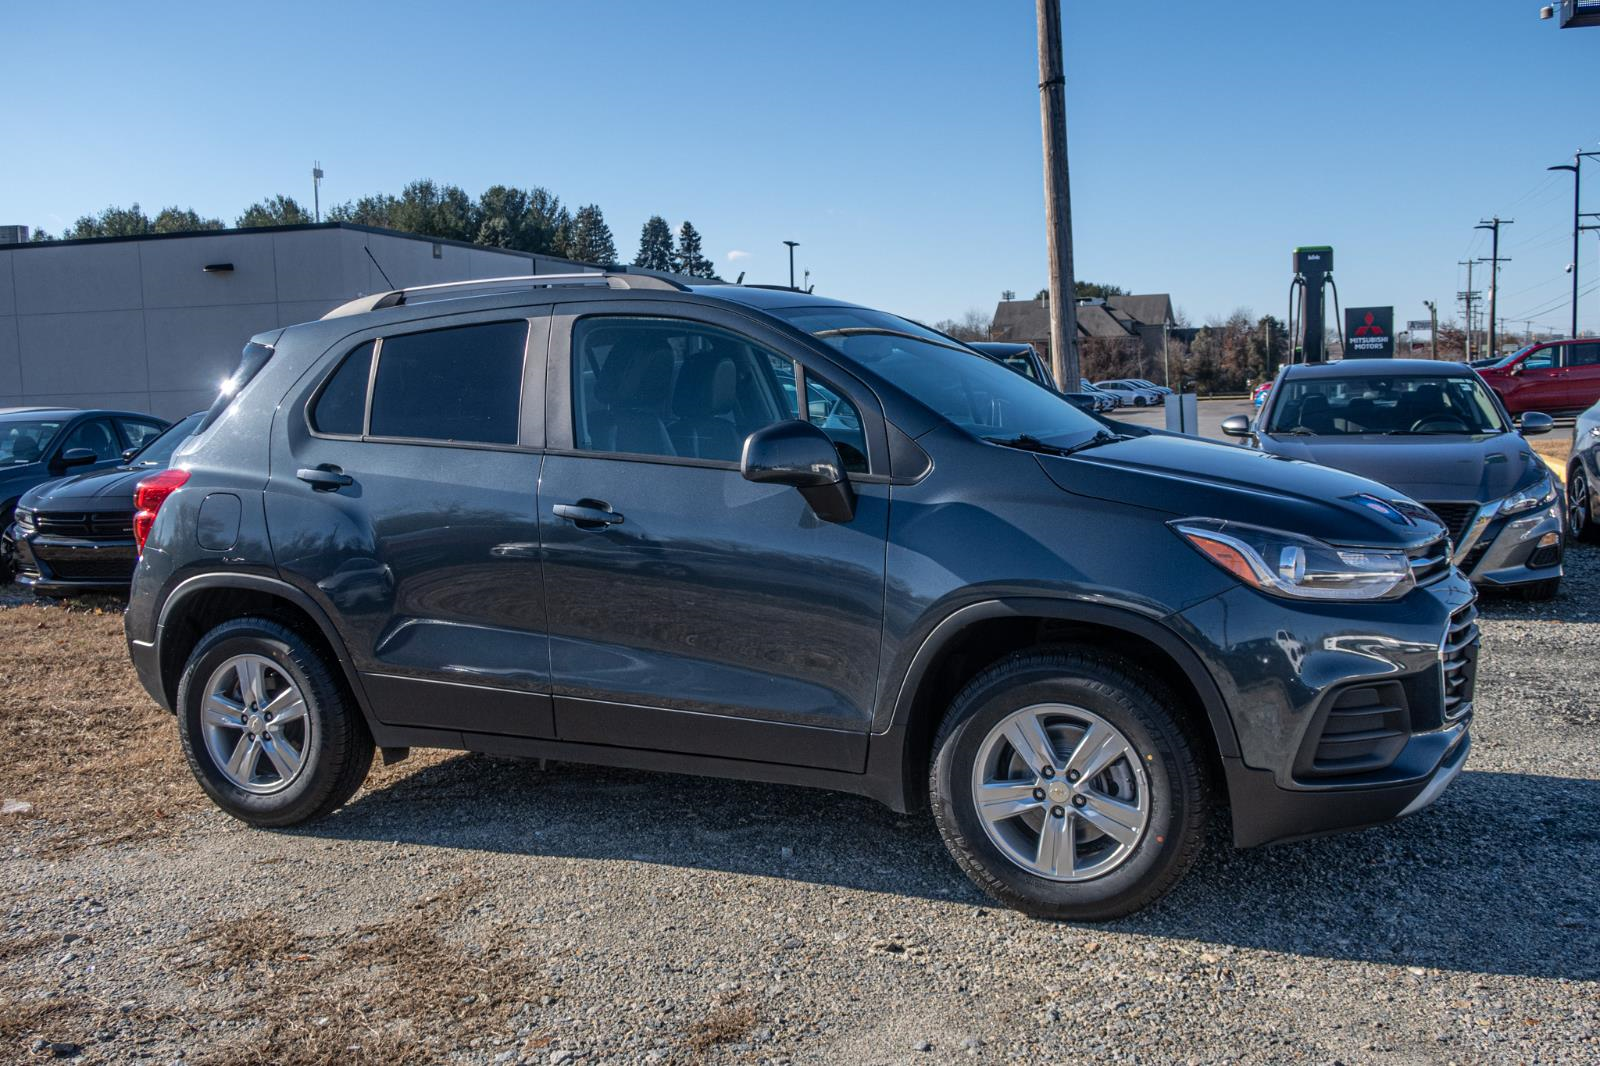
(1313, 276)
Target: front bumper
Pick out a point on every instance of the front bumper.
(1499, 551)
(62, 566)
(1346, 715)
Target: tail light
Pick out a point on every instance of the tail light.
(148, 497)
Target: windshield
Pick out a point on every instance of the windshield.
(25, 440)
(159, 451)
(1512, 358)
(970, 390)
(1390, 405)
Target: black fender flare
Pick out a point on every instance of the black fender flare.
(888, 749)
(188, 587)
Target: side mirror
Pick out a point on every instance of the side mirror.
(799, 454)
(1236, 426)
(1533, 423)
(76, 457)
(128, 454)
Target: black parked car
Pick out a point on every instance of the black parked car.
(1025, 360)
(76, 534)
(41, 443)
(756, 533)
(1583, 478)
(1438, 434)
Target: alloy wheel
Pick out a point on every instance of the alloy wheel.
(258, 729)
(1061, 792)
(1577, 503)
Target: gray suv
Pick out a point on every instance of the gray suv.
(759, 534)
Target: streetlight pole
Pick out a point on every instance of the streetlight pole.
(792, 246)
(1576, 168)
(1433, 324)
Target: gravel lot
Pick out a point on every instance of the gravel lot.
(476, 910)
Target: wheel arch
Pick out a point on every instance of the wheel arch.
(202, 602)
(977, 635)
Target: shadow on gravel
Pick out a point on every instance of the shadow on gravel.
(1498, 877)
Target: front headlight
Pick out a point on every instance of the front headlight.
(1287, 564)
(1541, 493)
(24, 518)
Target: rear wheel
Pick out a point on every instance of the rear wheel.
(1580, 514)
(1067, 785)
(270, 733)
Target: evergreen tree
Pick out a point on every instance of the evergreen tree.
(690, 259)
(112, 222)
(279, 210)
(655, 246)
(591, 241)
(182, 220)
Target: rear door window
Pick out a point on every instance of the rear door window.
(461, 385)
(136, 432)
(1587, 355)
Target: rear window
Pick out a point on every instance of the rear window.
(251, 361)
(461, 385)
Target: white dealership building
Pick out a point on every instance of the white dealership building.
(154, 323)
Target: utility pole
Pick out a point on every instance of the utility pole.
(316, 189)
(1433, 320)
(1494, 225)
(1057, 199)
(792, 246)
(1468, 296)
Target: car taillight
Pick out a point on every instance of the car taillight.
(148, 497)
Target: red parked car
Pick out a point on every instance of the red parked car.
(1557, 377)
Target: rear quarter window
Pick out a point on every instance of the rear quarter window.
(461, 385)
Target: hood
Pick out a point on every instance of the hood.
(1430, 468)
(98, 490)
(1192, 478)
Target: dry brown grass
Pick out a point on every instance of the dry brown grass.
(392, 991)
(724, 1025)
(1556, 447)
(79, 739)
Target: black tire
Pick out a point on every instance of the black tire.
(1539, 591)
(337, 761)
(1580, 527)
(1148, 715)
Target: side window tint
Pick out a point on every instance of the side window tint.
(97, 437)
(1543, 359)
(138, 434)
(1583, 355)
(668, 387)
(341, 407)
(836, 416)
(462, 384)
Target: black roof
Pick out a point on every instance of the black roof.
(1366, 368)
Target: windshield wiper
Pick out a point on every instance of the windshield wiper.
(1029, 443)
(863, 331)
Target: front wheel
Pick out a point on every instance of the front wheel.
(1069, 785)
(1580, 514)
(270, 733)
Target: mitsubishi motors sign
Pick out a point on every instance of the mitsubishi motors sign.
(1369, 333)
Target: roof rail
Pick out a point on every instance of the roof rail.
(396, 297)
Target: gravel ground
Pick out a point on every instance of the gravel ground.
(475, 910)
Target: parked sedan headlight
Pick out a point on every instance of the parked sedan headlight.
(23, 518)
(1541, 493)
(1287, 564)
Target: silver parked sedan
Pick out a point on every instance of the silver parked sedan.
(1436, 433)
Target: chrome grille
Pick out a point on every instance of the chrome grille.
(1458, 661)
(1430, 561)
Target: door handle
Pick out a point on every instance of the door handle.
(587, 514)
(324, 478)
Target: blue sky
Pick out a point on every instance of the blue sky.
(898, 142)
